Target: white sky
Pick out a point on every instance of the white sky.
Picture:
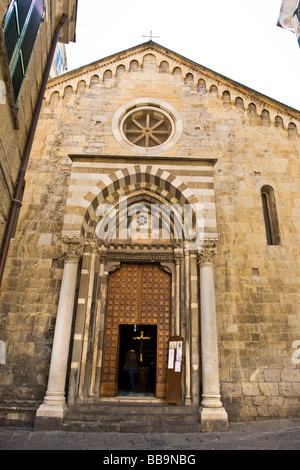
(239, 39)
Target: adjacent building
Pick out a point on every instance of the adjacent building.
(26, 37)
(60, 62)
(289, 17)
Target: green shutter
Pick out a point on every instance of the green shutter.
(21, 26)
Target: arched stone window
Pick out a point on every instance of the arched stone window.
(292, 130)
(134, 66)
(265, 118)
(254, 121)
(279, 122)
(54, 98)
(149, 61)
(68, 91)
(94, 81)
(189, 79)
(226, 98)
(81, 86)
(239, 103)
(177, 73)
(107, 75)
(120, 70)
(214, 91)
(270, 215)
(164, 67)
(201, 86)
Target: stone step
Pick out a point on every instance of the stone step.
(134, 417)
(134, 407)
(136, 427)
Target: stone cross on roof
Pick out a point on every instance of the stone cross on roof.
(151, 36)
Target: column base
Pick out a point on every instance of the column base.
(51, 411)
(213, 419)
(49, 417)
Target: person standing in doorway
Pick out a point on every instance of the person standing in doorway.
(131, 366)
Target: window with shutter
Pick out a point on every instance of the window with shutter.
(21, 26)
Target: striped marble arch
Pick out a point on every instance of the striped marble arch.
(163, 185)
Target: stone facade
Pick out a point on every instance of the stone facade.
(235, 298)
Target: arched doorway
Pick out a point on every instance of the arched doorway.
(136, 221)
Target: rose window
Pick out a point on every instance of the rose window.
(147, 128)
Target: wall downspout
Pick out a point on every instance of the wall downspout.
(16, 201)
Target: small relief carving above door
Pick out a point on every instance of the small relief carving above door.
(138, 294)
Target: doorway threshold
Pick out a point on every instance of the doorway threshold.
(126, 397)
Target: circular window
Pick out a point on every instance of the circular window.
(147, 127)
(142, 219)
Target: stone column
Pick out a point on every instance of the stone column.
(213, 415)
(188, 400)
(178, 255)
(99, 327)
(54, 404)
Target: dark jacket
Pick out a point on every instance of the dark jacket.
(131, 359)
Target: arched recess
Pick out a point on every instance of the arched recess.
(141, 215)
(122, 183)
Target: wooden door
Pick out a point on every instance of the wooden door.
(137, 294)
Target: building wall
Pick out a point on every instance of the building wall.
(247, 140)
(257, 285)
(16, 117)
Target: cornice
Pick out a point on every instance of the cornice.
(183, 160)
(220, 79)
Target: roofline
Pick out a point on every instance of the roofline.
(150, 43)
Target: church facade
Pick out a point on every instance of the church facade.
(161, 206)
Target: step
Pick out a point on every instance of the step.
(138, 427)
(104, 407)
(131, 417)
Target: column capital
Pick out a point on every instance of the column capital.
(96, 247)
(178, 255)
(71, 248)
(102, 253)
(206, 254)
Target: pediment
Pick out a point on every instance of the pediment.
(151, 56)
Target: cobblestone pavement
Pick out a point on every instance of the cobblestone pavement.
(260, 435)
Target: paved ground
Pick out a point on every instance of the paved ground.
(260, 435)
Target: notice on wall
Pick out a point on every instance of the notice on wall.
(179, 351)
(171, 358)
(175, 360)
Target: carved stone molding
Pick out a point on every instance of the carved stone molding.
(135, 252)
(102, 253)
(100, 249)
(206, 254)
(133, 255)
(178, 255)
(71, 248)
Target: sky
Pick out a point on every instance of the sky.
(239, 39)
